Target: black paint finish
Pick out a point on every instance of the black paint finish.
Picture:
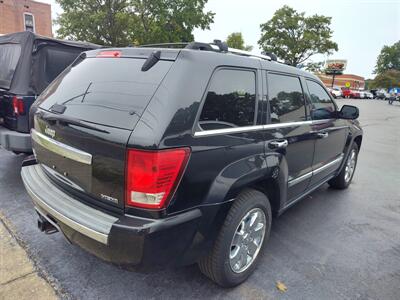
(221, 165)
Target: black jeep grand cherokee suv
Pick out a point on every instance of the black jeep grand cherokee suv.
(161, 156)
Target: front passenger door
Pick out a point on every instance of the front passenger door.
(329, 133)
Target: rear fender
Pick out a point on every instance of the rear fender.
(267, 174)
(256, 171)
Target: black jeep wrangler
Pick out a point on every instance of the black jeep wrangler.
(28, 63)
(162, 156)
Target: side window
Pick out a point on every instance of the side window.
(285, 99)
(57, 59)
(230, 101)
(322, 106)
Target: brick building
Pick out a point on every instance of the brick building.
(21, 15)
(356, 82)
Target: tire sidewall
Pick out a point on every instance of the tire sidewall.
(257, 202)
(353, 147)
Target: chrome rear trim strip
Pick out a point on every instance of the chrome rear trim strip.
(61, 149)
(65, 209)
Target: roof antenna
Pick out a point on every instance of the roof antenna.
(270, 54)
(221, 45)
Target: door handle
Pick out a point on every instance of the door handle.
(322, 135)
(279, 144)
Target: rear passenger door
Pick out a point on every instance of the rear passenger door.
(228, 150)
(329, 133)
(287, 138)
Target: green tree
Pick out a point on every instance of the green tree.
(387, 79)
(388, 59)
(295, 38)
(100, 22)
(124, 22)
(369, 83)
(235, 40)
(315, 67)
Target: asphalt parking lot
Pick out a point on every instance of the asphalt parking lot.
(332, 245)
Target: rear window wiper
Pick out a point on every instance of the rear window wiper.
(72, 121)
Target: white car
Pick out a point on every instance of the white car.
(335, 92)
(362, 94)
(369, 95)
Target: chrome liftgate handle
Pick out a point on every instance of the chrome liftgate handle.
(278, 144)
(322, 135)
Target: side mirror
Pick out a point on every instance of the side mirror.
(349, 112)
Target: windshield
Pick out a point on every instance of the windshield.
(108, 91)
(9, 57)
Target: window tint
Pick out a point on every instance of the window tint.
(57, 59)
(107, 91)
(9, 57)
(285, 98)
(230, 100)
(322, 106)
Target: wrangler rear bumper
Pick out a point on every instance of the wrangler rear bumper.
(15, 141)
(123, 240)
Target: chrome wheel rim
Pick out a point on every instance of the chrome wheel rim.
(247, 240)
(350, 165)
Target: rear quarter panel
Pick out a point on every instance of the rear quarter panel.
(217, 163)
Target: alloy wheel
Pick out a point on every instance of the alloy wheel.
(247, 240)
(350, 165)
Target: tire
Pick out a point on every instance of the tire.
(343, 180)
(217, 264)
(390, 101)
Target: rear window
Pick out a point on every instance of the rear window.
(108, 91)
(9, 57)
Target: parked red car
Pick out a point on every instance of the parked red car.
(347, 93)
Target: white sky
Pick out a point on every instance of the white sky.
(361, 27)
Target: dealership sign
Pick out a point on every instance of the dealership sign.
(335, 66)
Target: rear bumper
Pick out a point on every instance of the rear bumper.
(124, 240)
(15, 141)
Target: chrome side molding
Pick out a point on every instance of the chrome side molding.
(60, 148)
(316, 171)
(300, 179)
(213, 132)
(329, 164)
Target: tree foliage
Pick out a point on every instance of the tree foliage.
(235, 40)
(315, 67)
(124, 22)
(387, 79)
(369, 84)
(295, 38)
(388, 59)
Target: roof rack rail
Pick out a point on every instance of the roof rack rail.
(268, 56)
(165, 45)
(216, 46)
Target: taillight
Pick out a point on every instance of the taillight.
(152, 176)
(111, 54)
(18, 106)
